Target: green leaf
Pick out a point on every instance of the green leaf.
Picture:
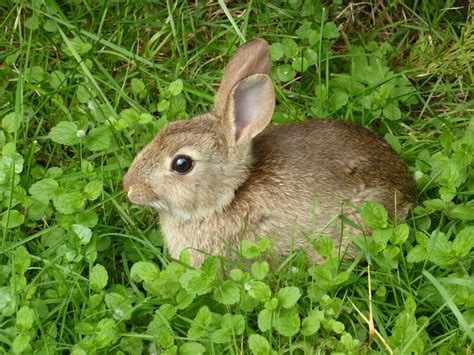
(336, 326)
(57, 80)
(2, 139)
(138, 87)
(390, 253)
(20, 343)
(285, 73)
(311, 56)
(44, 190)
(106, 332)
(300, 64)
(260, 291)
(195, 282)
(288, 296)
(350, 344)
(236, 274)
(86, 218)
(164, 338)
(79, 45)
(330, 30)
(82, 232)
(11, 122)
(271, 304)
(130, 115)
(12, 58)
(228, 293)
(98, 139)
(184, 299)
(464, 242)
(234, 322)
(64, 133)
(260, 270)
(392, 112)
(338, 98)
(200, 324)
(93, 190)
(95, 300)
(249, 249)
(305, 30)
(37, 210)
(221, 336)
(191, 348)
(163, 105)
(54, 172)
(161, 322)
(50, 26)
(98, 278)
(290, 48)
(22, 260)
(382, 236)
(288, 323)
(400, 234)
(418, 254)
(374, 214)
(341, 278)
(312, 323)
(145, 118)
(263, 245)
(435, 204)
(84, 93)
(84, 328)
(7, 302)
(393, 141)
(119, 305)
(12, 219)
(131, 346)
(9, 149)
(467, 328)
(33, 22)
(276, 51)
(24, 319)
(69, 202)
(35, 74)
(325, 246)
(144, 271)
(265, 318)
(259, 345)
(442, 252)
(463, 212)
(176, 87)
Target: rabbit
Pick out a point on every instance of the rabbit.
(223, 176)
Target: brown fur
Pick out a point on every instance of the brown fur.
(287, 182)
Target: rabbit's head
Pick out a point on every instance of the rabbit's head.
(193, 168)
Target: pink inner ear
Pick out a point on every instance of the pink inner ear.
(247, 104)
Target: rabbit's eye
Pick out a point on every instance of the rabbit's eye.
(182, 164)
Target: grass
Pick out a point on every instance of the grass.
(84, 85)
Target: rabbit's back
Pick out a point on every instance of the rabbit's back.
(306, 174)
(331, 159)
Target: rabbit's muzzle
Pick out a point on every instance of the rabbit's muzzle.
(137, 191)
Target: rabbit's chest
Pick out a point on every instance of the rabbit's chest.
(201, 238)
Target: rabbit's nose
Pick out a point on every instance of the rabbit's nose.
(127, 182)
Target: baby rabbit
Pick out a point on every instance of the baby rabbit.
(222, 177)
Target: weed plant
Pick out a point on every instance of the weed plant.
(85, 84)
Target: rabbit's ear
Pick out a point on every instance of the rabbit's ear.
(251, 58)
(249, 108)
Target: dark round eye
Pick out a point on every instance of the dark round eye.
(182, 164)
